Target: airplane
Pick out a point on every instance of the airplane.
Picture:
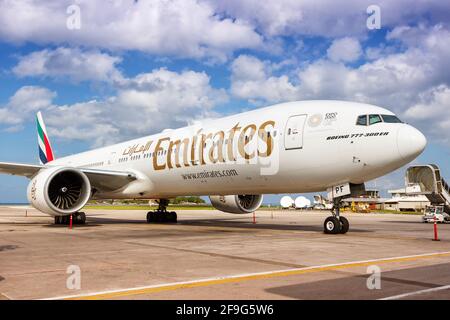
(293, 147)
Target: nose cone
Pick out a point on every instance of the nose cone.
(411, 142)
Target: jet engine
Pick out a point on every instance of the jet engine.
(59, 191)
(237, 204)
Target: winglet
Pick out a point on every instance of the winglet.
(45, 149)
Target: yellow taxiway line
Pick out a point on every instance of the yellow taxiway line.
(245, 277)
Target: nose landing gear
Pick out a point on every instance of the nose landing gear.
(161, 214)
(336, 224)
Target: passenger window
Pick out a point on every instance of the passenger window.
(362, 121)
(374, 118)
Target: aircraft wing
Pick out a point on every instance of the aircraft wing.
(108, 180)
(103, 180)
(19, 169)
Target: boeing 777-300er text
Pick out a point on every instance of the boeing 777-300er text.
(295, 147)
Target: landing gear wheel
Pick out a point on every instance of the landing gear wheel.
(172, 216)
(161, 214)
(66, 219)
(79, 218)
(62, 219)
(332, 225)
(159, 217)
(345, 225)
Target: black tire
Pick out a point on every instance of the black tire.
(64, 220)
(345, 225)
(158, 217)
(79, 218)
(172, 217)
(150, 217)
(164, 217)
(332, 225)
(83, 217)
(57, 219)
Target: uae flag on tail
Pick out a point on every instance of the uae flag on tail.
(45, 149)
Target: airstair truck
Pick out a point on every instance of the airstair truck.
(427, 180)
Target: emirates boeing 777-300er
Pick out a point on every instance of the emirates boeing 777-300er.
(295, 147)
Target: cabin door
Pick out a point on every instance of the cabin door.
(293, 134)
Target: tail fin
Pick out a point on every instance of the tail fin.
(45, 149)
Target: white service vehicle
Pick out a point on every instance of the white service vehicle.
(294, 147)
(435, 213)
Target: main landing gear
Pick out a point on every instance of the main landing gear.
(77, 218)
(336, 224)
(161, 214)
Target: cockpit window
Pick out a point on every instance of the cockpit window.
(362, 121)
(390, 118)
(374, 118)
(369, 119)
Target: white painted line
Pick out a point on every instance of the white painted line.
(6, 296)
(414, 293)
(249, 275)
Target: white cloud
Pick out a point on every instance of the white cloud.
(438, 98)
(432, 112)
(147, 103)
(344, 49)
(329, 18)
(393, 79)
(411, 83)
(23, 105)
(272, 17)
(252, 79)
(69, 62)
(248, 68)
(201, 28)
(182, 28)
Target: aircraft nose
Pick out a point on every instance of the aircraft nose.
(410, 141)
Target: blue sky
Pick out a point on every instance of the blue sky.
(96, 68)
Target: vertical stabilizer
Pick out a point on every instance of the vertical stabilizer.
(45, 148)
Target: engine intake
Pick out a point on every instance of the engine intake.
(238, 204)
(59, 191)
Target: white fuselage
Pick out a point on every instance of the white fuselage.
(292, 147)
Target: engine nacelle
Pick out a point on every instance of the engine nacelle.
(59, 191)
(238, 204)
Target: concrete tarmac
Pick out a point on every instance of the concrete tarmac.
(213, 255)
